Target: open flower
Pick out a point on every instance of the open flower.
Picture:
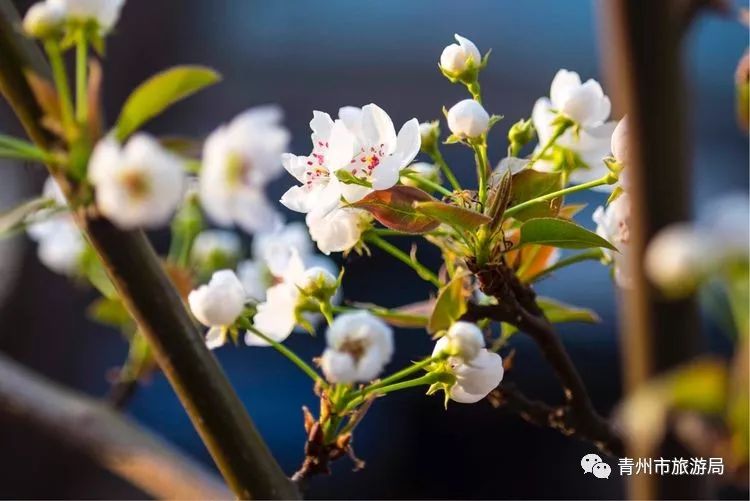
(359, 347)
(217, 305)
(104, 13)
(678, 258)
(379, 154)
(333, 147)
(138, 185)
(475, 377)
(589, 108)
(456, 58)
(613, 224)
(61, 249)
(465, 340)
(340, 230)
(239, 159)
(468, 119)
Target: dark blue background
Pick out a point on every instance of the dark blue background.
(309, 55)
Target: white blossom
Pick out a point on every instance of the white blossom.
(620, 147)
(43, 19)
(425, 170)
(587, 105)
(726, 221)
(465, 340)
(275, 248)
(104, 12)
(456, 57)
(209, 244)
(339, 230)
(379, 153)
(239, 159)
(217, 305)
(359, 347)
(678, 258)
(468, 119)
(475, 378)
(138, 185)
(613, 225)
(61, 249)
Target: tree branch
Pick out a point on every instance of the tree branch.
(110, 439)
(517, 306)
(131, 263)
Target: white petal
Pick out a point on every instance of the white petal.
(377, 128)
(338, 367)
(562, 85)
(216, 337)
(408, 142)
(386, 174)
(321, 125)
(469, 48)
(340, 147)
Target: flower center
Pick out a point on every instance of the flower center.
(136, 183)
(238, 169)
(365, 162)
(354, 347)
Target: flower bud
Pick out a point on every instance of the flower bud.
(619, 143)
(429, 133)
(43, 19)
(216, 249)
(319, 283)
(677, 260)
(460, 57)
(468, 119)
(220, 302)
(425, 170)
(519, 135)
(464, 341)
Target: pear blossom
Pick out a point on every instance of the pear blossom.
(340, 230)
(215, 246)
(678, 258)
(468, 119)
(359, 347)
(456, 58)
(138, 185)
(465, 340)
(475, 377)
(620, 146)
(104, 13)
(217, 305)
(613, 225)
(61, 249)
(379, 153)
(239, 159)
(275, 248)
(429, 134)
(589, 108)
(43, 19)
(425, 170)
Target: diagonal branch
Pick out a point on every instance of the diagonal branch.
(517, 306)
(131, 263)
(113, 441)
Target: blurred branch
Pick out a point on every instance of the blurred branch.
(517, 306)
(149, 296)
(110, 439)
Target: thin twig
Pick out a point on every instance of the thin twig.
(112, 440)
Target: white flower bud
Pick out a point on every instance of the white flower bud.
(677, 259)
(619, 143)
(339, 230)
(61, 248)
(429, 133)
(456, 58)
(465, 340)
(220, 302)
(43, 19)
(468, 119)
(474, 379)
(215, 246)
(319, 283)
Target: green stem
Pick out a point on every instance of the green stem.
(60, 76)
(550, 196)
(483, 167)
(559, 131)
(437, 157)
(591, 254)
(396, 376)
(82, 109)
(427, 379)
(394, 251)
(303, 366)
(476, 91)
(430, 184)
(385, 313)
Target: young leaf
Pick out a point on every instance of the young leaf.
(160, 92)
(455, 216)
(16, 219)
(450, 305)
(560, 233)
(529, 184)
(11, 147)
(394, 209)
(557, 312)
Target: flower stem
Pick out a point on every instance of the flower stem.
(396, 376)
(559, 131)
(394, 251)
(60, 76)
(427, 379)
(591, 254)
(437, 157)
(480, 151)
(303, 366)
(82, 110)
(430, 184)
(550, 196)
(385, 313)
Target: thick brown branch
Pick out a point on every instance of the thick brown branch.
(113, 441)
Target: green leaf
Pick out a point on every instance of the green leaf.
(449, 306)
(17, 149)
(394, 208)
(17, 218)
(558, 312)
(453, 215)
(560, 233)
(109, 311)
(529, 184)
(159, 93)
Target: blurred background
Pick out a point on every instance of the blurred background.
(322, 55)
